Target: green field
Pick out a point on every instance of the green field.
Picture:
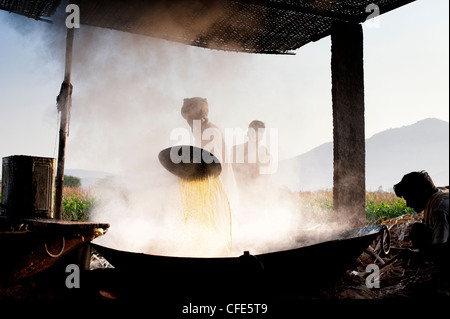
(380, 206)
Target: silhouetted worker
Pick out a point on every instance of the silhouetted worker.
(432, 236)
(250, 157)
(195, 111)
(206, 202)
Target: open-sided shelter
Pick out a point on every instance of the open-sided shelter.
(250, 26)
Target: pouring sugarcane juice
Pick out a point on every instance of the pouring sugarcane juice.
(206, 216)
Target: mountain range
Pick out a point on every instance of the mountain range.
(389, 155)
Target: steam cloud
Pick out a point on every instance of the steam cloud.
(128, 92)
(124, 118)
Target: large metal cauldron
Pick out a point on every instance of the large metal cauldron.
(292, 270)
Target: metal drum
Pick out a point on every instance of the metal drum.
(27, 186)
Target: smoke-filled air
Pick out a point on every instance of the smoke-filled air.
(128, 97)
(127, 102)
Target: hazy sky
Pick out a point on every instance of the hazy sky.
(128, 90)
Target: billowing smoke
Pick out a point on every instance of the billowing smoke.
(128, 92)
(128, 104)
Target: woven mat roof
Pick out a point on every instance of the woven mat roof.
(254, 26)
(36, 9)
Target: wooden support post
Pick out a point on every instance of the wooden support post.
(347, 73)
(65, 95)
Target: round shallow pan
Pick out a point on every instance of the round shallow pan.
(190, 162)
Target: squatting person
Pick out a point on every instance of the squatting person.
(432, 236)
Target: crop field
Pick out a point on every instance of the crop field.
(380, 206)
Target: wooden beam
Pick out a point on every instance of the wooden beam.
(64, 102)
(347, 72)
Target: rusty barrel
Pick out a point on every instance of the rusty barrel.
(27, 186)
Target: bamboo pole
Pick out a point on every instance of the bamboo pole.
(65, 94)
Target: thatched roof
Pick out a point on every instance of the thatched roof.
(254, 26)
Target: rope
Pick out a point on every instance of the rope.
(64, 101)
